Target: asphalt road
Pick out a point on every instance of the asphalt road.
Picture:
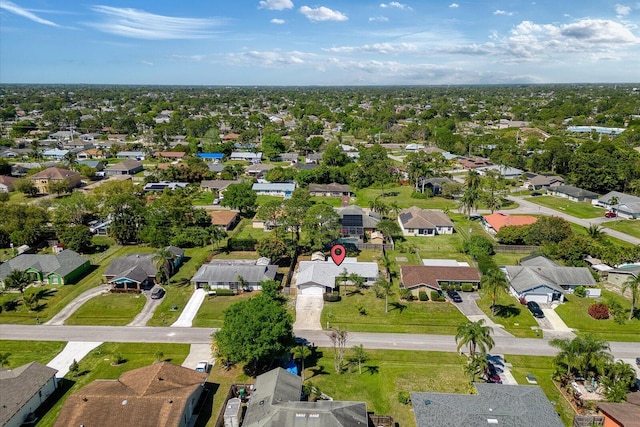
(504, 345)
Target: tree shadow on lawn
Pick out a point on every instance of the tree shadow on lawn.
(319, 370)
(396, 305)
(507, 310)
(372, 369)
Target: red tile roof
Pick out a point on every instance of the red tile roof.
(498, 220)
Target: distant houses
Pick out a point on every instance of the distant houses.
(127, 167)
(572, 193)
(329, 190)
(45, 179)
(278, 189)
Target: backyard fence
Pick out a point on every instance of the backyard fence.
(515, 249)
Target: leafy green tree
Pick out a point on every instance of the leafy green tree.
(295, 211)
(548, 229)
(272, 146)
(476, 336)
(163, 260)
(359, 356)
(632, 285)
(478, 246)
(217, 234)
(18, 279)
(582, 354)
(255, 331)
(58, 187)
(494, 282)
(126, 219)
(322, 226)
(78, 238)
(618, 380)
(334, 156)
(273, 248)
(389, 228)
(25, 186)
(241, 197)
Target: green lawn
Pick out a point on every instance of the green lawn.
(542, 368)
(97, 365)
(211, 311)
(407, 317)
(627, 226)
(515, 317)
(402, 196)
(574, 313)
(23, 352)
(336, 202)
(202, 198)
(108, 309)
(578, 209)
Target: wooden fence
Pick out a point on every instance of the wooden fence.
(515, 249)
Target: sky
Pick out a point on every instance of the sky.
(329, 43)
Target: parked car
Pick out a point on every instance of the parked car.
(536, 193)
(638, 361)
(535, 309)
(455, 296)
(610, 214)
(157, 293)
(495, 379)
(203, 366)
(216, 201)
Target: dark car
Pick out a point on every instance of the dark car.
(157, 293)
(535, 309)
(536, 193)
(455, 296)
(638, 361)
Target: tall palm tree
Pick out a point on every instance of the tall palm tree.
(494, 282)
(582, 354)
(70, 160)
(473, 179)
(476, 335)
(164, 264)
(633, 285)
(469, 200)
(301, 352)
(18, 279)
(217, 234)
(568, 353)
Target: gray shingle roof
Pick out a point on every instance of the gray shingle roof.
(509, 405)
(523, 278)
(137, 267)
(19, 385)
(325, 272)
(572, 191)
(61, 264)
(626, 202)
(216, 273)
(415, 217)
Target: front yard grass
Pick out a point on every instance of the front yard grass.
(108, 309)
(542, 367)
(578, 209)
(211, 313)
(514, 316)
(416, 317)
(97, 365)
(627, 226)
(23, 352)
(402, 196)
(574, 313)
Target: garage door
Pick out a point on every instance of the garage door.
(311, 290)
(539, 298)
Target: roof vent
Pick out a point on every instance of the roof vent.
(492, 420)
(170, 400)
(427, 402)
(124, 402)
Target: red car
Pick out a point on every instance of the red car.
(610, 214)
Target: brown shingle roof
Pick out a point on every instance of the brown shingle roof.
(625, 413)
(222, 217)
(416, 275)
(415, 217)
(151, 396)
(54, 173)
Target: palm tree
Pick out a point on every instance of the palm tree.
(18, 279)
(632, 284)
(217, 234)
(494, 282)
(476, 335)
(493, 202)
(568, 352)
(301, 352)
(476, 366)
(613, 201)
(70, 160)
(469, 201)
(582, 354)
(595, 231)
(164, 264)
(618, 381)
(386, 286)
(472, 180)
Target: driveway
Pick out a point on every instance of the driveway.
(147, 311)
(74, 350)
(190, 310)
(552, 325)
(308, 311)
(71, 308)
(198, 352)
(470, 309)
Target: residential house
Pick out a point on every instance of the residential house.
(623, 414)
(76, 145)
(330, 190)
(230, 137)
(424, 222)
(162, 394)
(52, 175)
(414, 147)
(505, 172)
(627, 206)
(539, 279)
(224, 218)
(136, 272)
(16, 153)
(60, 269)
(287, 157)
(572, 193)
(162, 185)
(418, 278)
(618, 276)
(247, 156)
(356, 222)
(542, 182)
(258, 170)
(275, 402)
(235, 275)
(54, 154)
(494, 222)
(278, 189)
(6, 183)
(98, 165)
(473, 162)
(170, 155)
(91, 153)
(313, 158)
(24, 389)
(319, 277)
(493, 404)
(132, 155)
(127, 167)
(435, 184)
(217, 186)
(212, 157)
(215, 167)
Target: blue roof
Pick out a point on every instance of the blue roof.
(210, 155)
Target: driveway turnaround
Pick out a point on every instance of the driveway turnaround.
(190, 310)
(308, 311)
(197, 353)
(71, 308)
(74, 350)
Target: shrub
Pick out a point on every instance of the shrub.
(406, 294)
(580, 291)
(467, 287)
(598, 311)
(417, 195)
(422, 296)
(404, 397)
(486, 264)
(436, 296)
(221, 292)
(331, 297)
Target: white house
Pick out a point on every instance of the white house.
(626, 206)
(246, 155)
(279, 189)
(318, 277)
(24, 389)
(235, 275)
(424, 222)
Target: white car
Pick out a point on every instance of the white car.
(203, 366)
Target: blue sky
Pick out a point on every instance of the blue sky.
(299, 42)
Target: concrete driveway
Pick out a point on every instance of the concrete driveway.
(308, 311)
(198, 352)
(190, 310)
(470, 309)
(552, 325)
(74, 350)
(71, 308)
(147, 311)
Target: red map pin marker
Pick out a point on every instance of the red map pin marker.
(338, 253)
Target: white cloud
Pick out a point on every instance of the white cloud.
(623, 10)
(502, 12)
(322, 14)
(17, 10)
(147, 63)
(454, 5)
(395, 4)
(139, 24)
(277, 21)
(378, 19)
(269, 59)
(276, 4)
(379, 48)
